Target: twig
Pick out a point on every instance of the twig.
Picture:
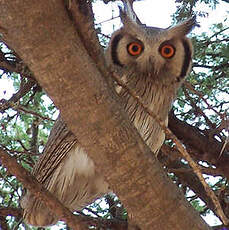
(26, 152)
(198, 109)
(11, 184)
(222, 116)
(219, 32)
(179, 146)
(22, 145)
(104, 35)
(93, 212)
(22, 109)
(107, 20)
(205, 170)
(224, 146)
(200, 95)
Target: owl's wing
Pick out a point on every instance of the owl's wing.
(67, 172)
(60, 141)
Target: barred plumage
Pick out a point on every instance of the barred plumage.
(153, 63)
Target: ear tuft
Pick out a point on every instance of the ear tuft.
(184, 27)
(122, 14)
(127, 13)
(190, 23)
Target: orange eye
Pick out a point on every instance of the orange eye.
(167, 51)
(135, 48)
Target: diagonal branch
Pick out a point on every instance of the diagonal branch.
(185, 174)
(194, 139)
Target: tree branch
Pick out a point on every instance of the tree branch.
(185, 174)
(24, 89)
(193, 138)
(10, 211)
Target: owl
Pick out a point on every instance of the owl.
(152, 62)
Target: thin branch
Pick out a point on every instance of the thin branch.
(205, 170)
(200, 95)
(107, 20)
(103, 223)
(104, 35)
(21, 108)
(198, 109)
(206, 43)
(11, 184)
(216, 34)
(34, 138)
(24, 89)
(223, 65)
(23, 146)
(224, 146)
(26, 152)
(93, 212)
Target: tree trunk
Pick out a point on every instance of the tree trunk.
(46, 39)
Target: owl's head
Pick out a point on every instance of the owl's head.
(162, 54)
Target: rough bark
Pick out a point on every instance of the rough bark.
(45, 38)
